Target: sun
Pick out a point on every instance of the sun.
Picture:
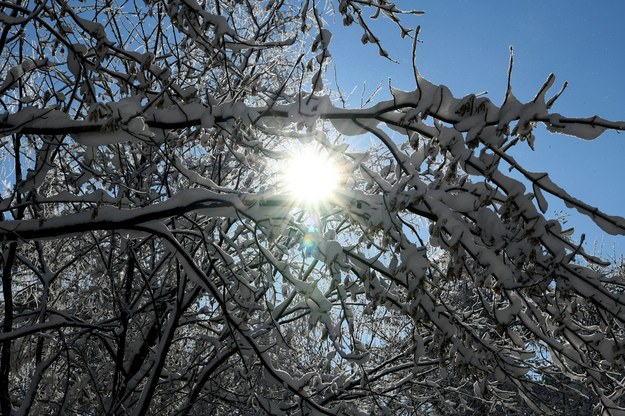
(311, 176)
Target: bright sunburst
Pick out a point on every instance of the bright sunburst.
(311, 176)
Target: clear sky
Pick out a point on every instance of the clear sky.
(465, 46)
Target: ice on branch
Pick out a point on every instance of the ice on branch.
(170, 246)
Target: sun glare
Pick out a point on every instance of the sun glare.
(311, 176)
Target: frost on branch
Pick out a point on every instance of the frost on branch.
(152, 261)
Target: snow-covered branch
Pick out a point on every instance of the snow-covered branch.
(157, 256)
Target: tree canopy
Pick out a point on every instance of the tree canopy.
(157, 257)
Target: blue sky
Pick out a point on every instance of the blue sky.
(465, 46)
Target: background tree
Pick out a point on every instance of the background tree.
(155, 261)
